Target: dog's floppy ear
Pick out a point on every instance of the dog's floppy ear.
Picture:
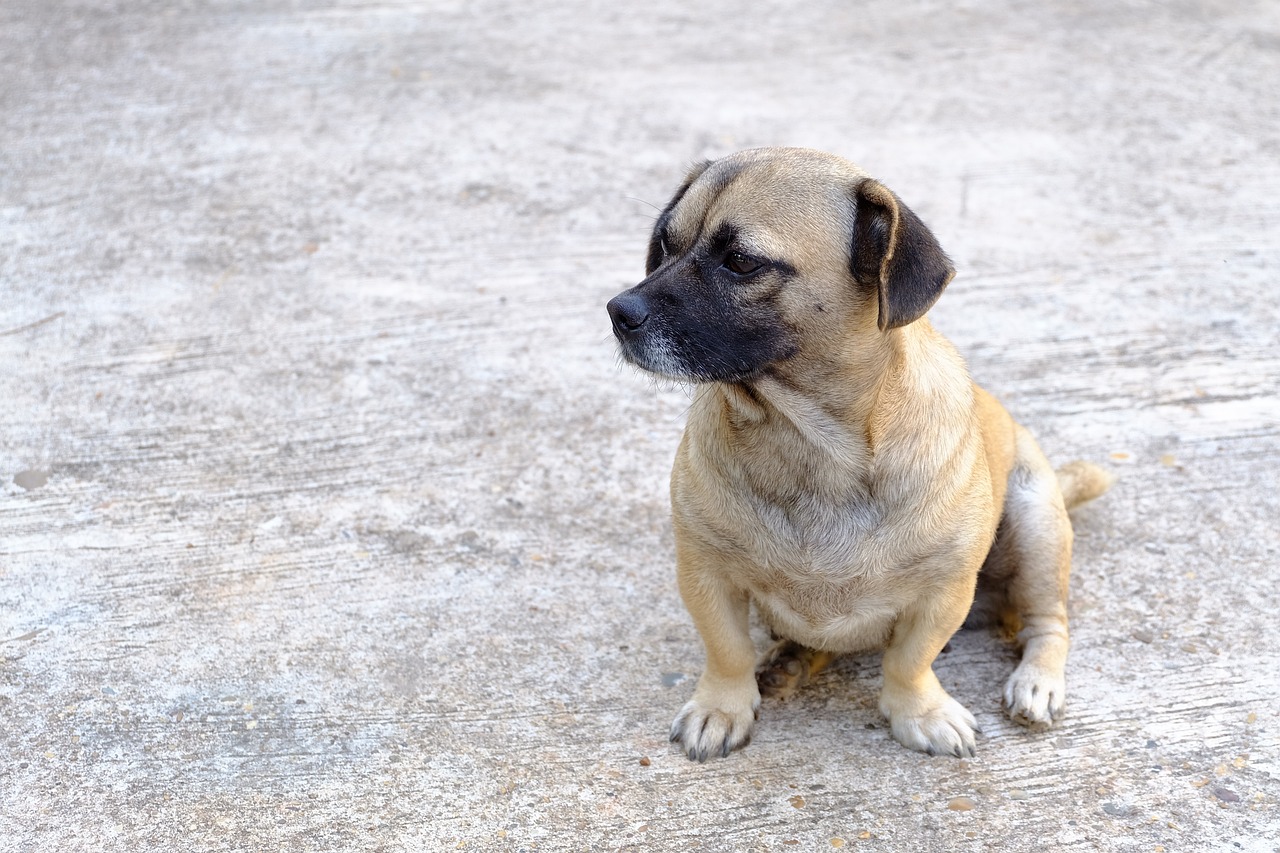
(655, 242)
(895, 252)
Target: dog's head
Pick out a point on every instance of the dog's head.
(767, 254)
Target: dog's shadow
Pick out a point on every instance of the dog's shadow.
(844, 697)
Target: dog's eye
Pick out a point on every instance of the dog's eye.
(740, 264)
(662, 244)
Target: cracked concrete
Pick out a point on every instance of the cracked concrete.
(329, 521)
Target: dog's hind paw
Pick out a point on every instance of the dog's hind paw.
(1034, 695)
(788, 666)
(703, 731)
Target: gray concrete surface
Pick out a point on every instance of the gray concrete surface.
(329, 520)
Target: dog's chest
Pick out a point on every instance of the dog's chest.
(833, 547)
(825, 575)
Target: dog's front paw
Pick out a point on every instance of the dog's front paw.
(938, 724)
(1035, 695)
(716, 724)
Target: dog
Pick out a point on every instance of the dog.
(839, 468)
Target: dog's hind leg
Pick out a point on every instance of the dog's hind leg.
(1034, 547)
(788, 666)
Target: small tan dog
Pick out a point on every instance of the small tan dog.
(839, 467)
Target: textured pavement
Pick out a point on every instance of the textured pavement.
(330, 521)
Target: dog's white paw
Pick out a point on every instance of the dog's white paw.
(704, 728)
(1035, 695)
(939, 725)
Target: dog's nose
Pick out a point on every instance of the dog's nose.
(629, 311)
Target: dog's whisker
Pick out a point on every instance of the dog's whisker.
(642, 201)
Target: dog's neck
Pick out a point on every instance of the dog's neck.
(838, 407)
(830, 399)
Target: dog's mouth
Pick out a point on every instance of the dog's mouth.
(650, 349)
(664, 353)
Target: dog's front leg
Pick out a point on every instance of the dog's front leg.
(723, 710)
(921, 714)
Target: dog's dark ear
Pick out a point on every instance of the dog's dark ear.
(897, 254)
(655, 242)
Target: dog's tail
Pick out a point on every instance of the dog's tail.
(1081, 482)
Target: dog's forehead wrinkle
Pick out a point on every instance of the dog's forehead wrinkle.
(779, 211)
(687, 218)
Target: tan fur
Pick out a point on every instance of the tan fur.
(853, 489)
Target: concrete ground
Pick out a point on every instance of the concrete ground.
(329, 520)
